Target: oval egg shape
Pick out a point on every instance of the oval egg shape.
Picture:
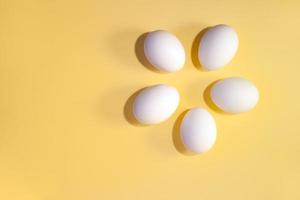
(198, 130)
(217, 47)
(164, 51)
(234, 95)
(155, 104)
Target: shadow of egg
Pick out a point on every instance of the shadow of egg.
(140, 53)
(128, 109)
(176, 137)
(195, 48)
(209, 101)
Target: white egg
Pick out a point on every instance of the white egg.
(164, 51)
(155, 104)
(198, 130)
(234, 95)
(217, 47)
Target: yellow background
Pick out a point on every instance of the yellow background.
(68, 67)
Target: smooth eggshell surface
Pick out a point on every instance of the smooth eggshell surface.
(234, 95)
(155, 104)
(217, 47)
(198, 130)
(164, 51)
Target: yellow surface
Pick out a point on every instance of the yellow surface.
(67, 69)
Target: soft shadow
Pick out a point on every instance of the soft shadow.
(208, 100)
(177, 141)
(128, 109)
(140, 53)
(195, 47)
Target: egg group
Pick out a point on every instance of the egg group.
(164, 51)
(155, 104)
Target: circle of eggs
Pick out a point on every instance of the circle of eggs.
(155, 104)
(217, 47)
(234, 95)
(198, 130)
(164, 51)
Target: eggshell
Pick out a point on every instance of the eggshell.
(217, 47)
(164, 51)
(198, 130)
(155, 104)
(235, 95)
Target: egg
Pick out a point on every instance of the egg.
(155, 104)
(234, 95)
(164, 51)
(198, 130)
(217, 47)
